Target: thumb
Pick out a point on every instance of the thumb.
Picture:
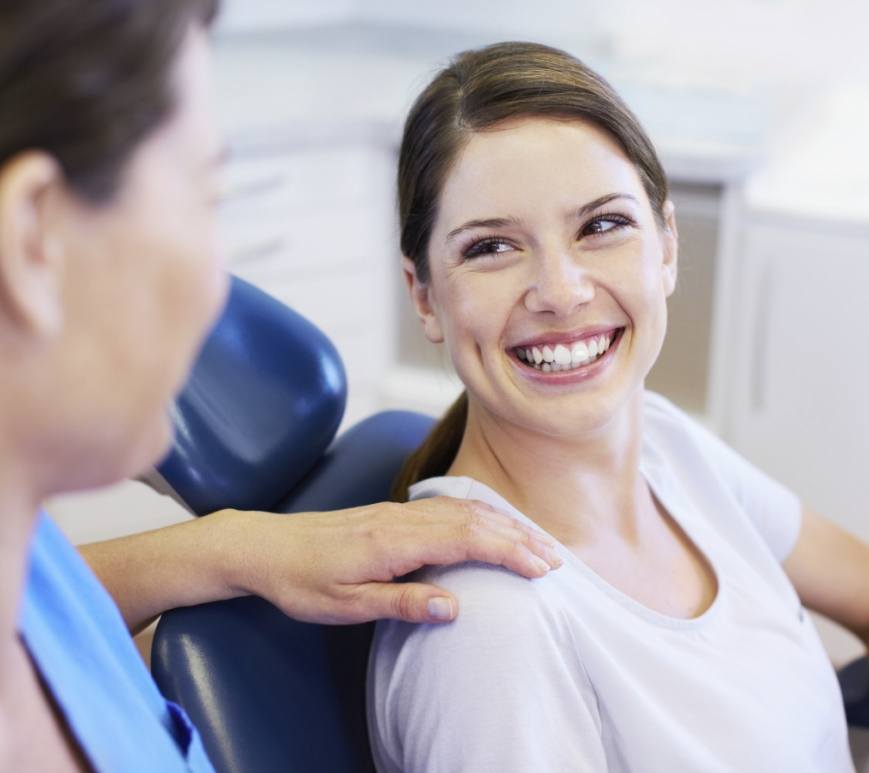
(412, 602)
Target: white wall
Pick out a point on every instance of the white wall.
(546, 20)
(250, 15)
(736, 44)
(740, 42)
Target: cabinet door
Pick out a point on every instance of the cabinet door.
(799, 366)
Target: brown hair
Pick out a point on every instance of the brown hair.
(88, 80)
(479, 90)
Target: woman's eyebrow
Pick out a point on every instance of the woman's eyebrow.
(599, 202)
(503, 222)
(492, 222)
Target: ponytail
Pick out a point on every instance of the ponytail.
(437, 451)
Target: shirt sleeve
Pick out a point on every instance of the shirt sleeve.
(775, 510)
(501, 688)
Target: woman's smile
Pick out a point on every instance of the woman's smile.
(567, 360)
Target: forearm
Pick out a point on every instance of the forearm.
(335, 567)
(180, 565)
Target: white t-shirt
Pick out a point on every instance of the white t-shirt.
(567, 673)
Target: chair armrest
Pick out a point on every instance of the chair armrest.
(854, 681)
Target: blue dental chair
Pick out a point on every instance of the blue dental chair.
(255, 429)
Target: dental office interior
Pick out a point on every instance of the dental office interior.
(760, 112)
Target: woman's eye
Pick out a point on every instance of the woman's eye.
(605, 224)
(487, 247)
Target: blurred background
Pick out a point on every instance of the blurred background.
(760, 111)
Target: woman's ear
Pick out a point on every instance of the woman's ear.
(31, 259)
(421, 297)
(670, 243)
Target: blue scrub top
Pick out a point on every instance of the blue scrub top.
(80, 645)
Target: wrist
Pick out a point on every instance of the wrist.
(235, 556)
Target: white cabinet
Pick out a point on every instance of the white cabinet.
(796, 389)
(799, 373)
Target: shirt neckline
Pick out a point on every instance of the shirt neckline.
(663, 493)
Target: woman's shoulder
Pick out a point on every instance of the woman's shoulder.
(453, 687)
(505, 623)
(499, 613)
(493, 597)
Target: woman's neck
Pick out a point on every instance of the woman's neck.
(579, 489)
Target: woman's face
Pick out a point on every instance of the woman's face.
(142, 284)
(549, 275)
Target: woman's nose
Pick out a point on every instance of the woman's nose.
(559, 285)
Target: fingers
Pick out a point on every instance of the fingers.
(513, 550)
(411, 601)
(474, 531)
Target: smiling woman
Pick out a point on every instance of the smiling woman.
(489, 95)
(540, 249)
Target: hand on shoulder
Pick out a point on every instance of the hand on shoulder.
(339, 567)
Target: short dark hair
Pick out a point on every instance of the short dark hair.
(88, 80)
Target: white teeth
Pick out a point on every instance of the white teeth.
(562, 355)
(578, 354)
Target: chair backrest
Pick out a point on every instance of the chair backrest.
(854, 681)
(270, 693)
(264, 400)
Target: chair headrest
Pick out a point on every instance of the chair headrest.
(264, 400)
(360, 466)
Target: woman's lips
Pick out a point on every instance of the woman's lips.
(561, 365)
(569, 338)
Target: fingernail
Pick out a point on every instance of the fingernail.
(441, 608)
(554, 559)
(540, 564)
